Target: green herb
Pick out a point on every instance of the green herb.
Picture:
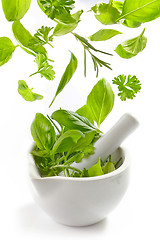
(72, 120)
(86, 112)
(43, 132)
(59, 10)
(26, 40)
(96, 61)
(6, 50)
(106, 13)
(27, 93)
(44, 68)
(67, 75)
(128, 86)
(15, 10)
(95, 170)
(140, 10)
(108, 167)
(100, 101)
(104, 34)
(132, 47)
(62, 29)
(43, 36)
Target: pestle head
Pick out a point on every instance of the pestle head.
(110, 141)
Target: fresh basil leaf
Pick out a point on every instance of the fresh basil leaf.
(84, 111)
(62, 29)
(132, 47)
(100, 101)
(27, 93)
(72, 120)
(140, 10)
(83, 143)
(95, 170)
(104, 34)
(6, 50)
(106, 13)
(108, 167)
(67, 75)
(43, 132)
(15, 10)
(26, 39)
(66, 141)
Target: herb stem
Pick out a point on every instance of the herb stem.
(54, 124)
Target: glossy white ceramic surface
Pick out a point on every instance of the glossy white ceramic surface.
(81, 201)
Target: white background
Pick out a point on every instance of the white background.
(137, 216)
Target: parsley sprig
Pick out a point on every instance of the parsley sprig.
(44, 68)
(127, 86)
(42, 35)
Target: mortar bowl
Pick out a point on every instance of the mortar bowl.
(81, 201)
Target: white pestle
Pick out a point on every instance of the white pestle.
(110, 141)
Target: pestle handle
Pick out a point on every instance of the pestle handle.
(110, 141)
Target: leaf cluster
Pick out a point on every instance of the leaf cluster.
(68, 137)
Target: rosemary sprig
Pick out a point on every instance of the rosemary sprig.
(96, 61)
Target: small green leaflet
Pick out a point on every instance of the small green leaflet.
(15, 10)
(132, 47)
(27, 93)
(43, 132)
(100, 101)
(43, 36)
(62, 29)
(140, 10)
(95, 170)
(6, 50)
(67, 75)
(104, 34)
(127, 86)
(72, 120)
(108, 167)
(106, 13)
(44, 68)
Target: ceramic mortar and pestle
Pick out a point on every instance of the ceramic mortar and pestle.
(85, 201)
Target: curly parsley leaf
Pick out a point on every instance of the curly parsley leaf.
(43, 35)
(44, 68)
(59, 10)
(127, 86)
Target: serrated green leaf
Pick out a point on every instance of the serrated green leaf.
(127, 86)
